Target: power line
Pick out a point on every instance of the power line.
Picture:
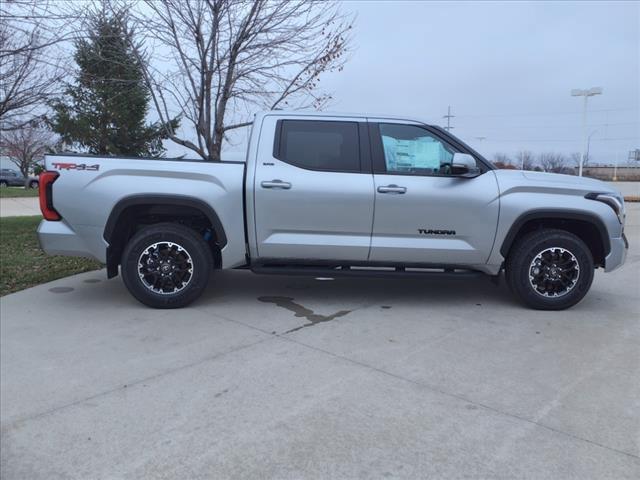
(591, 125)
(533, 114)
(563, 141)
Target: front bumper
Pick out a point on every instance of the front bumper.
(618, 253)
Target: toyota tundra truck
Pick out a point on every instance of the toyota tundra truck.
(332, 195)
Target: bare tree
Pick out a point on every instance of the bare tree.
(26, 146)
(525, 160)
(224, 59)
(552, 162)
(29, 66)
(502, 160)
(575, 159)
(23, 89)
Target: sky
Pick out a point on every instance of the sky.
(505, 68)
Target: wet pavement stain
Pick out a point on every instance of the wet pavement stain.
(301, 311)
(219, 394)
(61, 289)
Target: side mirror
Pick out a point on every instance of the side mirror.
(464, 165)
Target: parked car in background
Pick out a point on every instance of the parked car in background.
(34, 181)
(11, 178)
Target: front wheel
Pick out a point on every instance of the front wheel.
(166, 265)
(550, 269)
(33, 184)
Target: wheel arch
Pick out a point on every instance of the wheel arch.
(588, 227)
(120, 223)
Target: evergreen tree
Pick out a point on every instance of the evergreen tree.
(104, 111)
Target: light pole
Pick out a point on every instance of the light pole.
(586, 157)
(586, 94)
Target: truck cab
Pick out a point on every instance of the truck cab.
(368, 190)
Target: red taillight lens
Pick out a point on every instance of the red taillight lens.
(46, 195)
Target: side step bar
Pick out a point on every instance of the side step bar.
(393, 272)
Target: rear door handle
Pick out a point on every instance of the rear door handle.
(395, 189)
(276, 184)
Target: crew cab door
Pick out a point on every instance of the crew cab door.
(313, 189)
(423, 213)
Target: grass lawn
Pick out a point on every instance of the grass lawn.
(23, 264)
(9, 192)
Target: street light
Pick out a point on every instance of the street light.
(576, 92)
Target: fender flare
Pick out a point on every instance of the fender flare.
(177, 200)
(555, 214)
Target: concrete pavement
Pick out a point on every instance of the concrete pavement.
(19, 206)
(628, 189)
(376, 378)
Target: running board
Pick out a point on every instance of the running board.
(347, 271)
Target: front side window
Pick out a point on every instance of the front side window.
(320, 145)
(411, 149)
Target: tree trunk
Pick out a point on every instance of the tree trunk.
(216, 149)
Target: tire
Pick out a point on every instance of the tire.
(149, 257)
(34, 184)
(550, 269)
(3, 184)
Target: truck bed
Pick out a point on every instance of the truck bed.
(89, 188)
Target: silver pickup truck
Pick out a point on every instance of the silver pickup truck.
(328, 195)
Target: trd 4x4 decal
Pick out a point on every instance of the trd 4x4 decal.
(75, 166)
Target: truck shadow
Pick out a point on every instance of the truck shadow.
(289, 291)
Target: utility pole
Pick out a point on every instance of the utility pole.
(586, 94)
(448, 116)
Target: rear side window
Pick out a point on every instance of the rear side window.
(318, 145)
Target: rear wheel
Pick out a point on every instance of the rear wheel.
(33, 184)
(550, 269)
(3, 183)
(166, 265)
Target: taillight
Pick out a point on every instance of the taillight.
(46, 195)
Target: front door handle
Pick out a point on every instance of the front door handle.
(276, 184)
(395, 189)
